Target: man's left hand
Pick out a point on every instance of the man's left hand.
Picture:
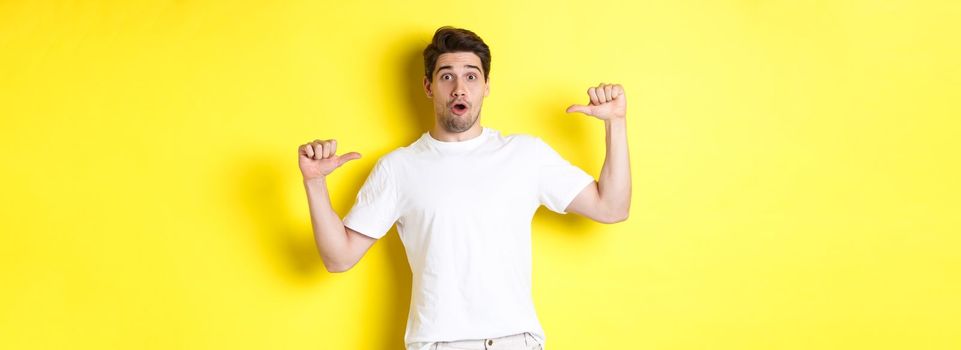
(607, 102)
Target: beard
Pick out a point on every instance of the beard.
(458, 123)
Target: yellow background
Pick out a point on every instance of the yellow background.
(795, 167)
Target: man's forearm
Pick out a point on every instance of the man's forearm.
(329, 231)
(614, 184)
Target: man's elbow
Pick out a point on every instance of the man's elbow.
(337, 268)
(615, 217)
(334, 266)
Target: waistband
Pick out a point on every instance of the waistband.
(506, 342)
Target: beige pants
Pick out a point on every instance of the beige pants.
(523, 341)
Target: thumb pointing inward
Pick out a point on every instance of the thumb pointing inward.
(579, 109)
(346, 157)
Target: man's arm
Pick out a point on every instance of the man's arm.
(340, 247)
(607, 200)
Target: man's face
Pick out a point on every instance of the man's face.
(458, 90)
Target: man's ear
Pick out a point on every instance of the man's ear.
(487, 87)
(427, 88)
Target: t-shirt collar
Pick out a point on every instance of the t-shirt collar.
(457, 145)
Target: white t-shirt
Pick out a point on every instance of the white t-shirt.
(463, 211)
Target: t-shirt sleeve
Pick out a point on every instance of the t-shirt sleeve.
(559, 181)
(376, 208)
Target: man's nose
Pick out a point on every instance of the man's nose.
(459, 89)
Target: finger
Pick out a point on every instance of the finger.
(579, 109)
(347, 157)
(593, 95)
(601, 97)
(333, 147)
(608, 92)
(318, 150)
(618, 90)
(327, 148)
(306, 150)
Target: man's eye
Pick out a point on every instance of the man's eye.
(445, 77)
(471, 77)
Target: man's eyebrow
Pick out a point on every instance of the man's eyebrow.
(452, 67)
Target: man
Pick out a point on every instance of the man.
(463, 197)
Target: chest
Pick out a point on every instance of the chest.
(483, 186)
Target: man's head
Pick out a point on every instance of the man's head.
(456, 67)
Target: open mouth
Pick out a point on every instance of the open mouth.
(459, 108)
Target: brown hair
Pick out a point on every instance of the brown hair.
(449, 39)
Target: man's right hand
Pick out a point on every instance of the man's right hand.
(319, 158)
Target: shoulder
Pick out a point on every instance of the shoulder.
(532, 146)
(393, 158)
(524, 141)
(526, 146)
(401, 155)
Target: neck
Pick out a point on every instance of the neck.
(441, 134)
